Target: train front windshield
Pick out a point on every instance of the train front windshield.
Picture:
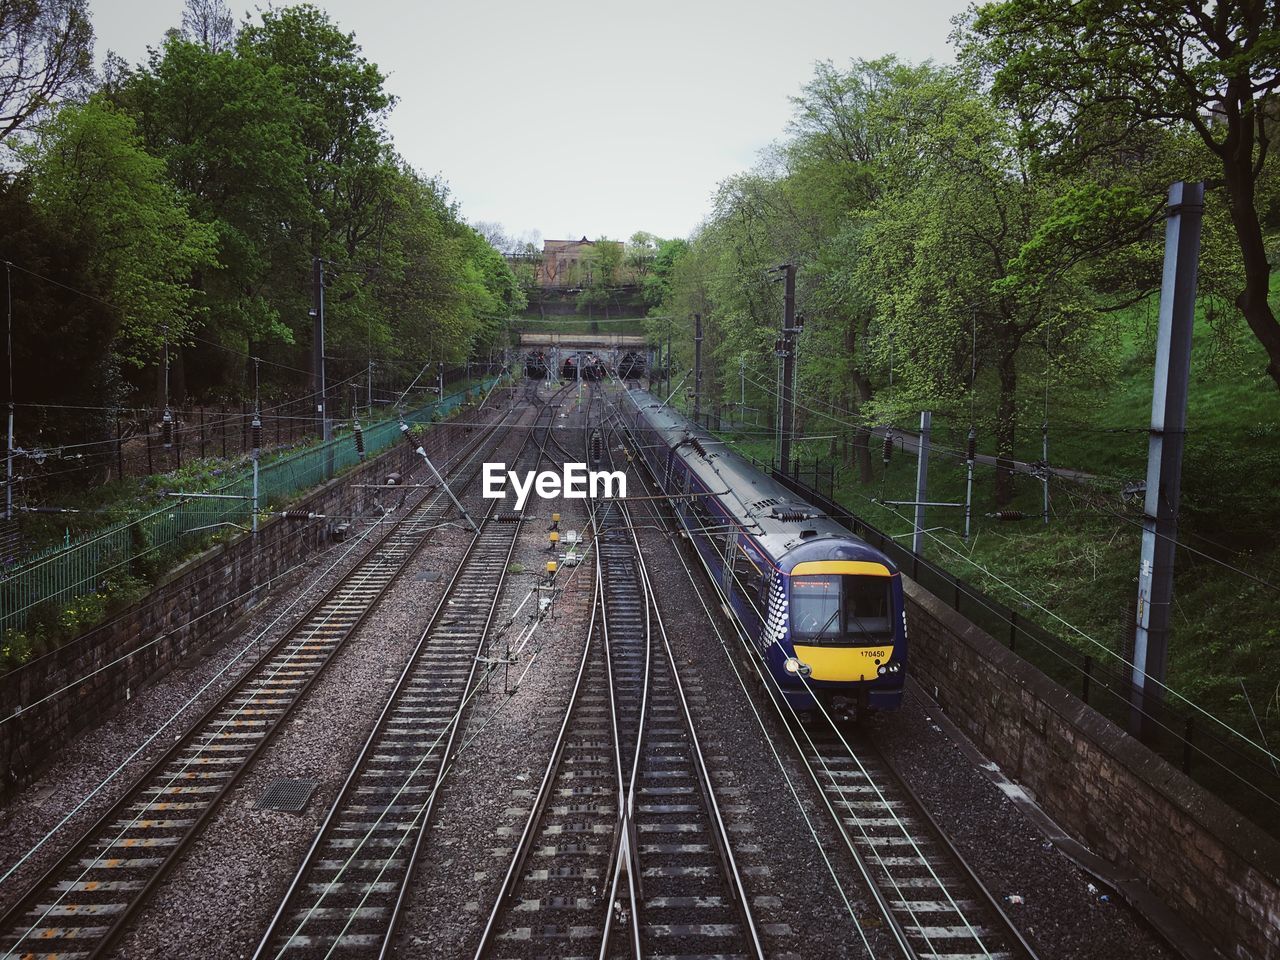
(840, 608)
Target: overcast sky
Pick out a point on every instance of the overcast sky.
(590, 116)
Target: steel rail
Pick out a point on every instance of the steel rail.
(578, 734)
(1019, 944)
(730, 874)
(67, 875)
(967, 932)
(365, 762)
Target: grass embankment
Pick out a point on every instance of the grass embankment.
(1082, 567)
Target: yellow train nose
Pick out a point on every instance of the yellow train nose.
(843, 664)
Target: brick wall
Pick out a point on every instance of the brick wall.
(196, 588)
(1217, 871)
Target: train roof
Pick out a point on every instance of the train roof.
(792, 530)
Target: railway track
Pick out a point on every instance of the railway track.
(347, 895)
(934, 904)
(82, 903)
(625, 804)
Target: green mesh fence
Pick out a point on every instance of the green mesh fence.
(145, 545)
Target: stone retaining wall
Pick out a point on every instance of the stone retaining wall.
(1216, 870)
(190, 608)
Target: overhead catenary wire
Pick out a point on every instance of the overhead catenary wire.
(768, 735)
(962, 456)
(1091, 640)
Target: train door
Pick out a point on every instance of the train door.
(731, 553)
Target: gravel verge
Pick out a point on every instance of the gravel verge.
(1059, 908)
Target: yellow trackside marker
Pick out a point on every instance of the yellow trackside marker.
(555, 518)
(555, 537)
(551, 566)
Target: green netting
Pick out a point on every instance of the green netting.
(145, 545)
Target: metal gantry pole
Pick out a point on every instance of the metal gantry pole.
(256, 435)
(1164, 451)
(8, 467)
(697, 366)
(317, 343)
(1044, 434)
(8, 460)
(786, 350)
(922, 480)
(971, 453)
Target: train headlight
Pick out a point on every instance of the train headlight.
(882, 670)
(794, 666)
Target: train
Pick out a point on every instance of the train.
(535, 365)
(588, 365)
(824, 608)
(631, 366)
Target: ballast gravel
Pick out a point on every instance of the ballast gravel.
(38, 824)
(508, 736)
(1060, 909)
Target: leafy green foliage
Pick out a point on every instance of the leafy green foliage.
(95, 184)
(1113, 70)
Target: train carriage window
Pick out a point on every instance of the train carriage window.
(699, 515)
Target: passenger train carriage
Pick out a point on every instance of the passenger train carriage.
(824, 607)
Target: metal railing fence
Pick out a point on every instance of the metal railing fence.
(141, 546)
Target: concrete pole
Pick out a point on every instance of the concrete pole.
(922, 481)
(1164, 452)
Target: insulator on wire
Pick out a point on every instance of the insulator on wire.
(888, 448)
(166, 428)
(298, 514)
(1008, 515)
(255, 431)
(971, 450)
(359, 432)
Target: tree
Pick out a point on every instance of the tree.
(597, 273)
(342, 109)
(46, 51)
(1069, 67)
(209, 23)
(99, 190)
(226, 128)
(945, 258)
